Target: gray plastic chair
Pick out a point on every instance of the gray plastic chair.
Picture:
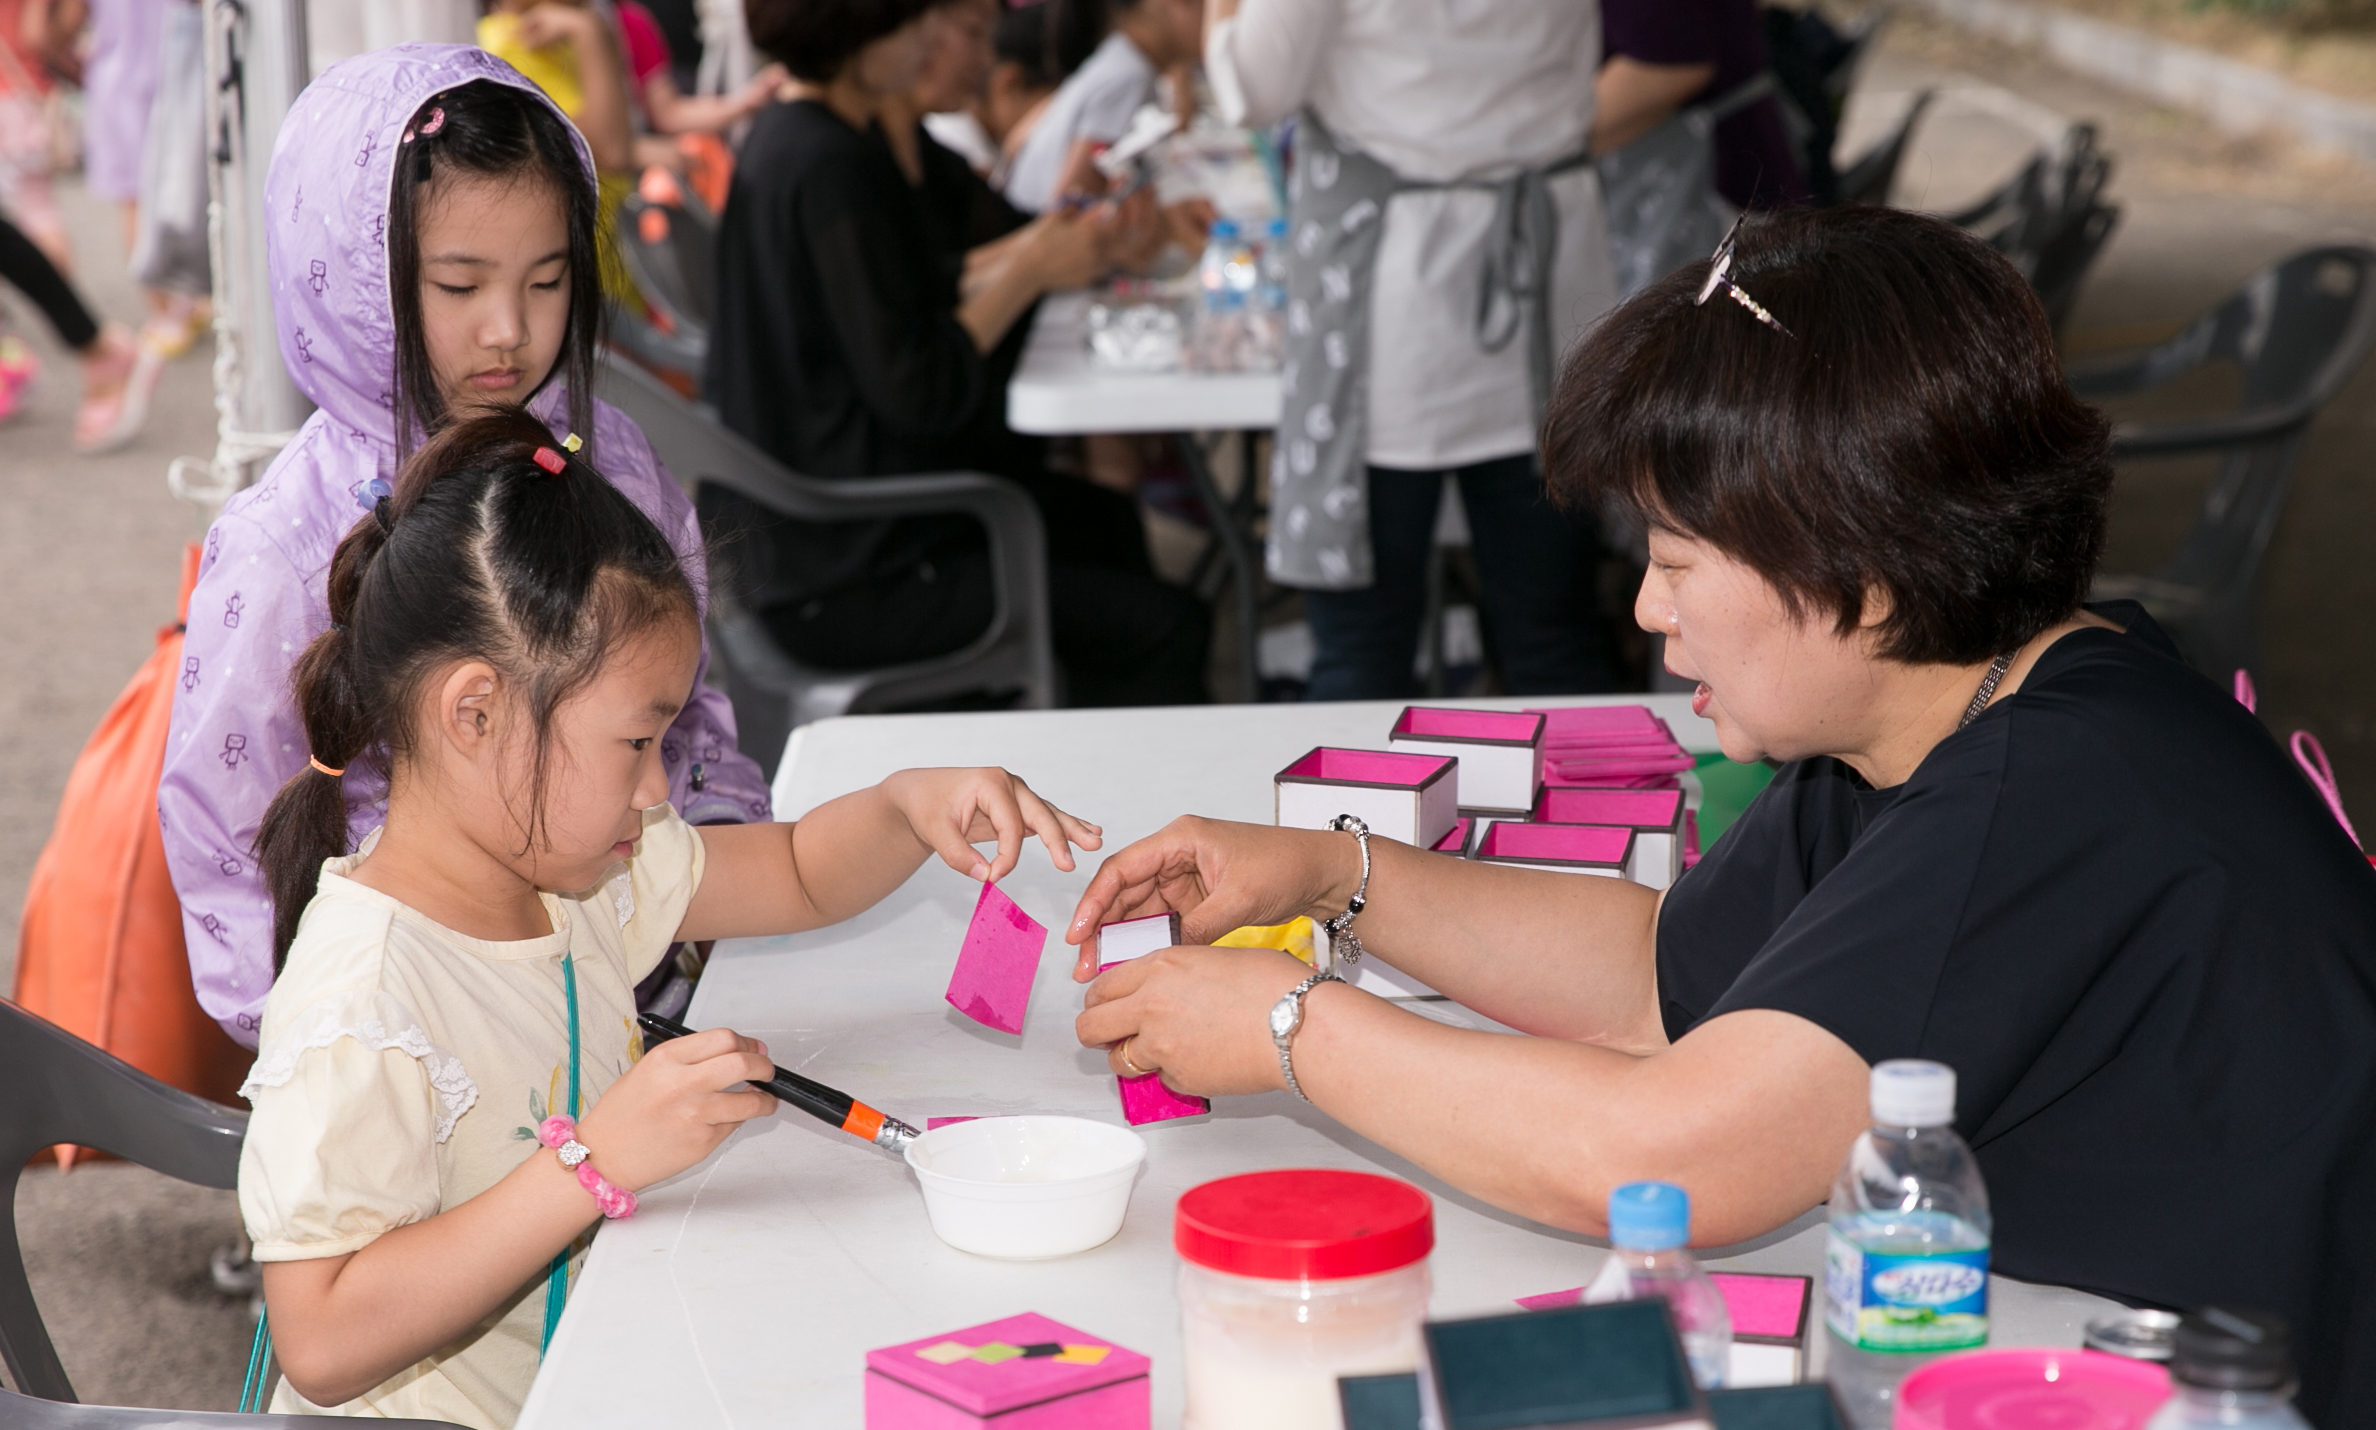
(772, 693)
(1868, 178)
(2296, 331)
(62, 1089)
(2050, 218)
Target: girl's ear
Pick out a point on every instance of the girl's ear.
(465, 713)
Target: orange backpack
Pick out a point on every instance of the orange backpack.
(100, 951)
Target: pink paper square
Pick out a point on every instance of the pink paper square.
(1768, 1307)
(1552, 1300)
(1146, 1099)
(992, 982)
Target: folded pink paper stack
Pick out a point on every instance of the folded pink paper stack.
(1619, 746)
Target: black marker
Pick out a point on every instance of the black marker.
(814, 1098)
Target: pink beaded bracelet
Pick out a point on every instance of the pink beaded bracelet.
(560, 1134)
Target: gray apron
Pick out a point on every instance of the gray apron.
(1660, 190)
(1336, 211)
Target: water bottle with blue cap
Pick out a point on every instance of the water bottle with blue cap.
(1649, 1230)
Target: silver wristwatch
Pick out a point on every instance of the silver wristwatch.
(1286, 1018)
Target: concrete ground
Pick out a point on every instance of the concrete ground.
(88, 564)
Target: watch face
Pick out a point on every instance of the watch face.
(1284, 1016)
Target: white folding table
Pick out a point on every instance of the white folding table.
(1058, 392)
(747, 1292)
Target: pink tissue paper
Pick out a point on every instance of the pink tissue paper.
(992, 982)
(1146, 1099)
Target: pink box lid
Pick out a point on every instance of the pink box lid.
(1330, 766)
(1555, 843)
(1498, 727)
(1456, 842)
(1000, 1365)
(1636, 808)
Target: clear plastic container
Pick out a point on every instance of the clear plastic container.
(2231, 1368)
(1263, 1354)
(1649, 1226)
(1291, 1279)
(1906, 1258)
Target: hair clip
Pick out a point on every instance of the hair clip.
(1720, 276)
(373, 492)
(572, 444)
(551, 460)
(429, 126)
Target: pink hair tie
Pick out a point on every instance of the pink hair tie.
(551, 460)
(2311, 756)
(560, 1134)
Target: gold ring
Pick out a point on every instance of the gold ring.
(1123, 1052)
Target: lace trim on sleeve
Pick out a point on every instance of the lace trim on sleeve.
(379, 1022)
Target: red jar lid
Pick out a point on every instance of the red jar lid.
(1304, 1224)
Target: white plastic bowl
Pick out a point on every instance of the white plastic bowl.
(1026, 1188)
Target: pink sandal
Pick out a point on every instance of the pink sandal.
(117, 385)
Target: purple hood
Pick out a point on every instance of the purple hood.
(235, 737)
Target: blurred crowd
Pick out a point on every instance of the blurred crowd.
(864, 202)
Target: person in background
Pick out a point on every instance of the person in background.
(1144, 40)
(850, 344)
(567, 50)
(1419, 341)
(1661, 56)
(27, 147)
(121, 72)
(680, 28)
(666, 108)
(116, 381)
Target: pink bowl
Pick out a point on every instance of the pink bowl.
(2031, 1390)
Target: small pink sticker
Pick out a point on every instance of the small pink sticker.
(995, 968)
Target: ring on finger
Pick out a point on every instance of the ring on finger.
(1123, 1053)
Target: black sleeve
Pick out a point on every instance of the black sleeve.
(988, 215)
(911, 361)
(1725, 908)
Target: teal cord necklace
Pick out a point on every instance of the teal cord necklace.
(557, 1279)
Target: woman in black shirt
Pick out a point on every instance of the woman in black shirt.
(2011, 833)
(848, 343)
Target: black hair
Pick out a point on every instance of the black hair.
(1916, 436)
(1074, 30)
(478, 553)
(497, 131)
(1021, 39)
(815, 38)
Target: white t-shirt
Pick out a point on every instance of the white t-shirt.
(404, 1068)
(1097, 102)
(1439, 90)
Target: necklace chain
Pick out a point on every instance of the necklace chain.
(1988, 685)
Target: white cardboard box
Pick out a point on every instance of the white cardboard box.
(1500, 752)
(1413, 798)
(1654, 815)
(1565, 848)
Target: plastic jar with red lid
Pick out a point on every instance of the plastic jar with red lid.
(1291, 1279)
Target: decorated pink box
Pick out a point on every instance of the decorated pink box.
(1567, 848)
(1023, 1373)
(1654, 815)
(1500, 752)
(1413, 798)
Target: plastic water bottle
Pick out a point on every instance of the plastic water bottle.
(2232, 1368)
(1906, 1259)
(1270, 292)
(1228, 272)
(1649, 1226)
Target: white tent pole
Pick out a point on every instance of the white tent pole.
(255, 65)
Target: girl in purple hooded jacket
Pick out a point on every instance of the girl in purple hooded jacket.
(430, 222)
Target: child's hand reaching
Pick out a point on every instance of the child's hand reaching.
(676, 1105)
(953, 810)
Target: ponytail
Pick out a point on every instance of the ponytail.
(491, 545)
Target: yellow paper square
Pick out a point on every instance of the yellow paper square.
(1083, 1355)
